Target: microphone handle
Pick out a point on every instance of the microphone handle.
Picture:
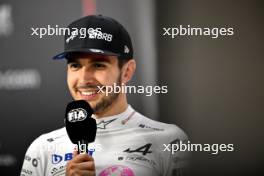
(83, 146)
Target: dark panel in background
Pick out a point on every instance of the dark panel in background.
(32, 86)
(215, 85)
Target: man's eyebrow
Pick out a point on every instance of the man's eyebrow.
(72, 60)
(101, 59)
(94, 60)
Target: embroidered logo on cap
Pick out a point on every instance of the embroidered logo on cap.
(126, 49)
(73, 35)
(97, 50)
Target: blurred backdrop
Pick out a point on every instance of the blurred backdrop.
(215, 86)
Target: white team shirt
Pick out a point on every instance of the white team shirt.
(127, 144)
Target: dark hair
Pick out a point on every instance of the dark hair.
(122, 61)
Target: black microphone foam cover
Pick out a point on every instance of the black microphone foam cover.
(79, 124)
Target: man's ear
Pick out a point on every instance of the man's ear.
(128, 70)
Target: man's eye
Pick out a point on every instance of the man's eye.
(74, 65)
(99, 65)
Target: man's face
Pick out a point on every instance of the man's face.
(86, 72)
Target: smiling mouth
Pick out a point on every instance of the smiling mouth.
(88, 95)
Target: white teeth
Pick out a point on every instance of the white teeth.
(87, 93)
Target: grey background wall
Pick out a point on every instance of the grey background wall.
(215, 85)
(33, 92)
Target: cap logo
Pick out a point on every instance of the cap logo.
(73, 35)
(96, 33)
(126, 49)
(97, 50)
(91, 33)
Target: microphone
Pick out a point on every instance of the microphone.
(80, 127)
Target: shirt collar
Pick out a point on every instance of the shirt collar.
(115, 121)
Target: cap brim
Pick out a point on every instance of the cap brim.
(88, 51)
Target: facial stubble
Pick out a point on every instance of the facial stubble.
(107, 101)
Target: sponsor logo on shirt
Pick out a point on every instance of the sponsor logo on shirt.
(102, 124)
(136, 158)
(58, 171)
(144, 150)
(34, 161)
(149, 127)
(26, 172)
(56, 158)
(54, 138)
(117, 170)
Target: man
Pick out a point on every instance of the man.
(127, 143)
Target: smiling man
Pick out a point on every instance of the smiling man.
(88, 73)
(127, 143)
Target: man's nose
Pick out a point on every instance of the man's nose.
(86, 74)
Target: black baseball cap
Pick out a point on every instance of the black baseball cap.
(97, 34)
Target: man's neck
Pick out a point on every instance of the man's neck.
(117, 107)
